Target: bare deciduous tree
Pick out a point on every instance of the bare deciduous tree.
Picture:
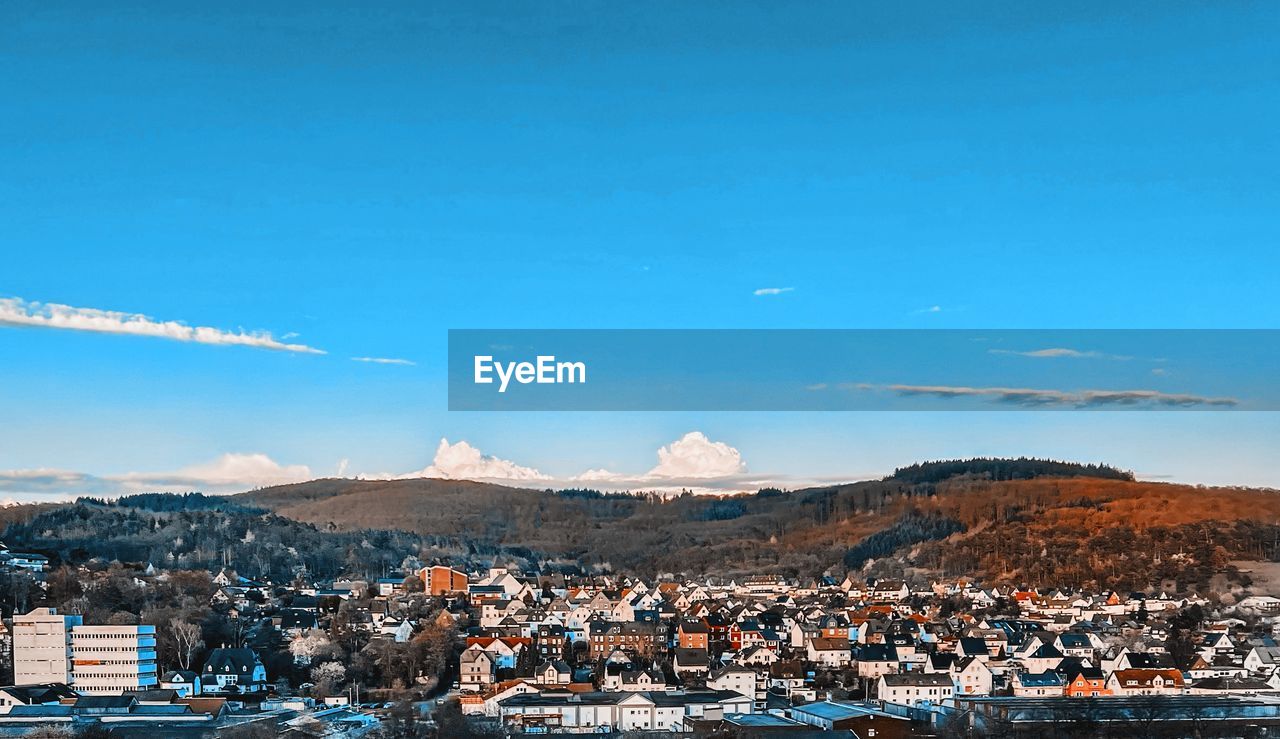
(186, 637)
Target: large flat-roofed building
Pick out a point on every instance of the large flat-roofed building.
(577, 713)
(441, 580)
(864, 719)
(1147, 715)
(109, 660)
(49, 647)
(42, 648)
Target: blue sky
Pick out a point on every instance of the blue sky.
(366, 178)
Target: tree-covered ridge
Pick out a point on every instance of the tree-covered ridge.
(1022, 468)
(201, 537)
(171, 502)
(1057, 530)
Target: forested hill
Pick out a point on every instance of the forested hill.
(1022, 468)
(949, 519)
(1091, 524)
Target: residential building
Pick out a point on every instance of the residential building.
(50, 647)
(440, 580)
(42, 647)
(233, 670)
(184, 683)
(548, 711)
(915, 688)
(110, 660)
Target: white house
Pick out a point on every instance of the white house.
(915, 688)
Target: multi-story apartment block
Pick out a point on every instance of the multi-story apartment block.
(630, 637)
(49, 647)
(42, 647)
(109, 660)
(440, 580)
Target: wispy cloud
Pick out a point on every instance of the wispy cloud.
(18, 312)
(930, 309)
(1074, 398)
(384, 360)
(1060, 352)
(772, 291)
(228, 473)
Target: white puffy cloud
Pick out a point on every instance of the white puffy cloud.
(691, 461)
(694, 455)
(18, 312)
(462, 461)
(771, 291)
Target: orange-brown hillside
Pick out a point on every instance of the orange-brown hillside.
(1065, 529)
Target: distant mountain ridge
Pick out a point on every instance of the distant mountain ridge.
(999, 519)
(1090, 526)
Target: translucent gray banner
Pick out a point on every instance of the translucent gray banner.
(861, 370)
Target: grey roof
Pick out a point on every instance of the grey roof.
(1040, 679)
(924, 679)
(833, 711)
(40, 711)
(185, 676)
(228, 661)
(758, 720)
(105, 701)
(661, 698)
(36, 694)
(1075, 641)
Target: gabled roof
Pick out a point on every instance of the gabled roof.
(1146, 677)
(830, 644)
(876, 653)
(559, 665)
(176, 676)
(1075, 641)
(1048, 679)
(227, 661)
(1046, 651)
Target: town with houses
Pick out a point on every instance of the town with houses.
(762, 655)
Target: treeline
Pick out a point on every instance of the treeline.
(1055, 529)
(168, 502)
(1022, 468)
(798, 533)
